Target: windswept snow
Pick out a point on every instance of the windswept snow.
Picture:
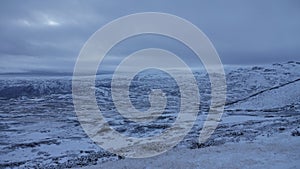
(276, 152)
(39, 128)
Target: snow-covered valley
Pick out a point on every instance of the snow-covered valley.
(39, 127)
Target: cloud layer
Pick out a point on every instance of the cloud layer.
(48, 35)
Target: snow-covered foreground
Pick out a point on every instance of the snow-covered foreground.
(259, 128)
(277, 152)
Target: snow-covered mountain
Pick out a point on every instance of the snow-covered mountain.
(39, 127)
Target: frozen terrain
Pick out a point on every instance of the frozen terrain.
(39, 128)
(276, 152)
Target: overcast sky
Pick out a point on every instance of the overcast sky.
(48, 35)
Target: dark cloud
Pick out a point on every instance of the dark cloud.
(48, 35)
